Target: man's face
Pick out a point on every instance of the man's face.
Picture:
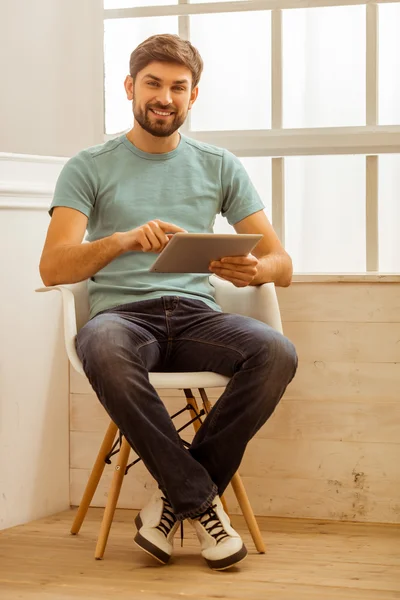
(161, 97)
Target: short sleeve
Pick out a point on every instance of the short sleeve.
(77, 185)
(240, 198)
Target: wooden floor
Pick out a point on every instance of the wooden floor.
(305, 560)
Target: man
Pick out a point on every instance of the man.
(132, 194)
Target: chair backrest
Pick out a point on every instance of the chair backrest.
(259, 302)
(81, 297)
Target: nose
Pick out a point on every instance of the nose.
(164, 96)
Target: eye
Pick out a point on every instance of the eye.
(179, 88)
(152, 83)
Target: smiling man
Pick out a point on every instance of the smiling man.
(131, 194)
(168, 121)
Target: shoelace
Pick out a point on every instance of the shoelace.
(212, 524)
(168, 518)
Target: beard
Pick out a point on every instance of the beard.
(163, 127)
(158, 127)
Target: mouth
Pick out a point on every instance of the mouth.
(161, 114)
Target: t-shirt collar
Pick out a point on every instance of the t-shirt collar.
(151, 156)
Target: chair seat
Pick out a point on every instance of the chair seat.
(180, 381)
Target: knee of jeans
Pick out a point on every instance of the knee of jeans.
(101, 341)
(275, 350)
(286, 359)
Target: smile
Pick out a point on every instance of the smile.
(161, 113)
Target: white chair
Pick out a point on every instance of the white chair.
(259, 302)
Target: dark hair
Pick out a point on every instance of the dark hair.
(167, 48)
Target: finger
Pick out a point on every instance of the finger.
(143, 241)
(170, 227)
(233, 274)
(240, 260)
(162, 238)
(250, 269)
(154, 242)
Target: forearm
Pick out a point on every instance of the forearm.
(276, 268)
(73, 263)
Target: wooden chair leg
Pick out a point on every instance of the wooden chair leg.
(205, 400)
(194, 411)
(94, 478)
(247, 511)
(119, 473)
(241, 495)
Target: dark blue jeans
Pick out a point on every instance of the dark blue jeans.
(118, 348)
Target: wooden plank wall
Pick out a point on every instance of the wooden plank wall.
(332, 448)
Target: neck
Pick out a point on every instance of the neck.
(150, 143)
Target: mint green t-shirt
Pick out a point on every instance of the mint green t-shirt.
(119, 187)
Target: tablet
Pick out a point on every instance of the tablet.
(193, 252)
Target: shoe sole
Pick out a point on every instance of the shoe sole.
(147, 546)
(229, 561)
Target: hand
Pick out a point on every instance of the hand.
(150, 237)
(240, 270)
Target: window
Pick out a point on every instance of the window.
(236, 82)
(315, 218)
(324, 52)
(389, 212)
(295, 94)
(389, 64)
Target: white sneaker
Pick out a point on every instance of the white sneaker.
(221, 545)
(157, 526)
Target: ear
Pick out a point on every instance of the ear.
(129, 85)
(193, 97)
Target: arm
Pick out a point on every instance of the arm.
(274, 263)
(66, 260)
(244, 209)
(268, 263)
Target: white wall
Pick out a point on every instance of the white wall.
(51, 66)
(51, 104)
(34, 449)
